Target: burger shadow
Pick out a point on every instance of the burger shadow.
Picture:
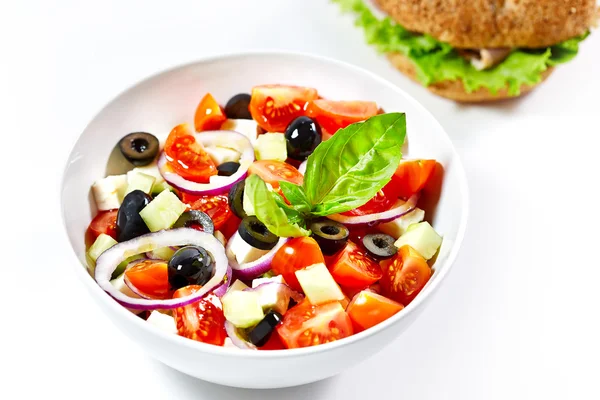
(183, 387)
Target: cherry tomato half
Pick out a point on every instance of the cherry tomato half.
(334, 115)
(352, 268)
(151, 278)
(209, 115)
(404, 275)
(217, 208)
(273, 107)
(187, 157)
(307, 325)
(203, 320)
(272, 172)
(296, 254)
(105, 222)
(412, 175)
(367, 309)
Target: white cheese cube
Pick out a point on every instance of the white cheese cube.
(163, 322)
(318, 284)
(243, 252)
(247, 127)
(260, 281)
(109, 191)
(221, 155)
(398, 227)
(237, 285)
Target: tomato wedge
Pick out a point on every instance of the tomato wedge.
(352, 268)
(404, 275)
(412, 175)
(209, 114)
(217, 208)
(187, 157)
(151, 278)
(273, 107)
(272, 172)
(203, 321)
(307, 325)
(296, 254)
(367, 309)
(382, 201)
(105, 222)
(334, 115)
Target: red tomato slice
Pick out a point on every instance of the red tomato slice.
(307, 325)
(404, 275)
(367, 309)
(334, 115)
(296, 254)
(412, 175)
(151, 278)
(217, 208)
(231, 226)
(352, 268)
(382, 201)
(274, 343)
(187, 157)
(272, 172)
(203, 321)
(209, 115)
(273, 107)
(105, 222)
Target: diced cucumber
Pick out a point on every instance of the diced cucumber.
(271, 146)
(163, 253)
(260, 281)
(242, 309)
(139, 181)
(221, 155)
(243, 252)
(102, 243)
(160, 187)
(318, 284)
(163, 322)
(399, 226)
(109, 192)
(163, 211)
(237, 285)
(152, 170)
(421, 237)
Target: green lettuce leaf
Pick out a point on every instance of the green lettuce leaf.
(347, 170)
(436, 61)
(268, 211)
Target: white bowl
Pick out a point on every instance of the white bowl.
(169, 98)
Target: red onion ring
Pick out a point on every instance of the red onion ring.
(222, 289)
(302, 167)
(218, 184)
(284, 294)
(236, 338)
(110, 259)
(399, 209)
(251, 270)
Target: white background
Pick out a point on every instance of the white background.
(518, 317)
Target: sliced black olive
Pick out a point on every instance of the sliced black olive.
(330, 235)
(228, 168)
(303, 135)
(190, 265)
(380, 245)
(129, 222)
(195, 217)
(261, 333)
(237, 107)
(256, 234)
(139, 148)
(236, 199)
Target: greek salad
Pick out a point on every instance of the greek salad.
(279, 220)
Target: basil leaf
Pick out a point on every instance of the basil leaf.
(294, 216)
(295, 195)
(267, 210)
(347, 170)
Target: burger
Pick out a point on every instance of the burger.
(477, 50)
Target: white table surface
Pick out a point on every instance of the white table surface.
(518, 317)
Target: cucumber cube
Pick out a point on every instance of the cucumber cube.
(421, 237)
(318, 284)
(163, 211)
(163, 253)
(242, 309)
(139, 181)
(109, 191)
(237, 285)
(399, 226)
(271, 146)
(102, 243)
(160, 187)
